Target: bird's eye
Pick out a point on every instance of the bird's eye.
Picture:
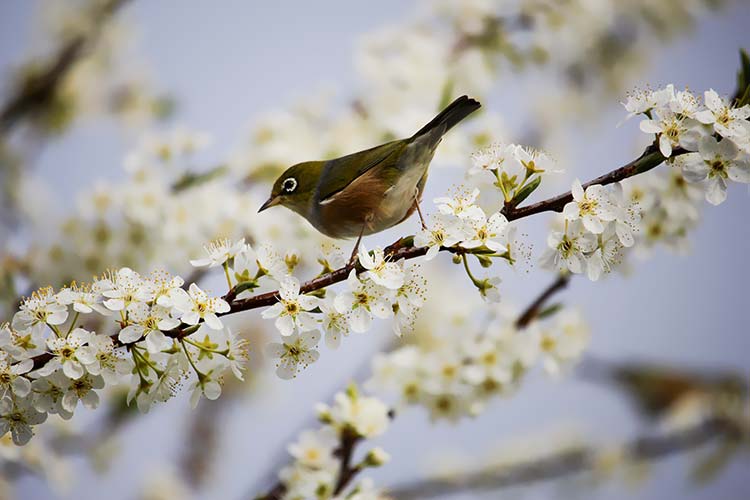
(289, 185)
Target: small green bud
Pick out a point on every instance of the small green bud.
(484, 260)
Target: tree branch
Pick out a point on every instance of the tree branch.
(569, 462)
(404, 247)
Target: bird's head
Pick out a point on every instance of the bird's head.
(295, 188)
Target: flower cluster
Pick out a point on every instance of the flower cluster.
(517, 170)
(462, 226)
(316, 471)
(461, 376)
(596, 226)
(51, 359)
(715, 133)
(384, 290)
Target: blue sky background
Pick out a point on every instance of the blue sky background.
(227, 62)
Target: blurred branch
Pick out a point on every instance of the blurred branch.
(569, 462)
(38, 90)
(534, 310)
(655, 389)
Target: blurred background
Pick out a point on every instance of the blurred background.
(266, 84)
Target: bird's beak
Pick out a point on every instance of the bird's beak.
(273, 200)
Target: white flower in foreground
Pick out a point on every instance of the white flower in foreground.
(291, 311)
(715, 162)
(149, 322)
(197, 305)
(673, 130)
(11, 376)
(643, 101)
(41, 309)
(606, 255)
(65, 351)
(83, 300)
(362, 301)
(219, 252)
(127, 287)
(315, 449)
(461, 205)
(536, 161)
(82, 389)
(442, 232)
(485, 232)
(726, 120)
(297, 349)
(594, 207)
(628, 216)
(684, 103)
(100, 358)
(489, 289)
(17, 418)
(270, 262)
(568, 249)
(495, 157)
(565, 343)
(408, 300)
(379, 270)
(166, 288)
(205, 385)
(335, 324)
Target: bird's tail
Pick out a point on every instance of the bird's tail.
(450, 116)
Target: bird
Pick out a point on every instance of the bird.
(369, 191)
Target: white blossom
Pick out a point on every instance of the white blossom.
(363, 300)
(196, 305)
(292, 310)
(727, 121)
(594, 207)
(716, 162)
(378, 269)
(674, 131)
(219, 252)
(295, 350)
(17, 417)
(567, 249)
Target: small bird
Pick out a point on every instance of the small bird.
(370, 191)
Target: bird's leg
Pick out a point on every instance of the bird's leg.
(352, 259)
(419, 210)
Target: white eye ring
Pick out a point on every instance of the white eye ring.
(289, 185)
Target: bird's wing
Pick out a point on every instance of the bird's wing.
(341, 172)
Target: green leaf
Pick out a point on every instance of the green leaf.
(245, 285)
(549, 311)
(526, 191)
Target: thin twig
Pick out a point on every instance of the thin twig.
(531, 312)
